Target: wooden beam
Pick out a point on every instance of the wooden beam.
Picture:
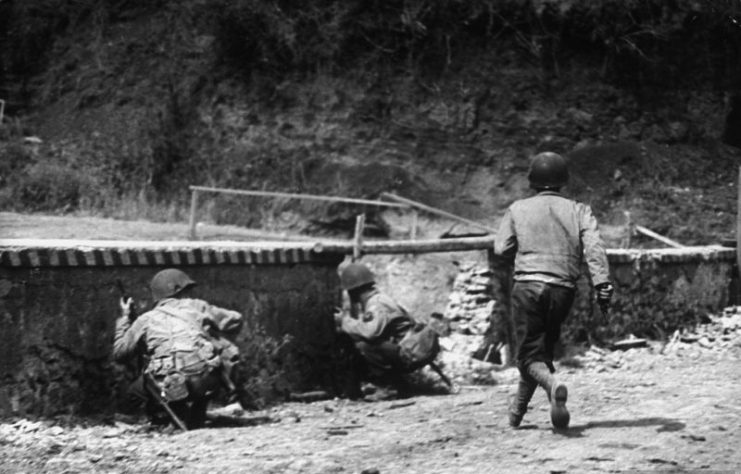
(411, 247)
(314, 197)
(439, 212)
(658, 237)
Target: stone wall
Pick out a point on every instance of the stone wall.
(656, 292)
(58, 304)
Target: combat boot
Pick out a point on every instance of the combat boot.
(559, 414)
(557, 393)
(519, 401)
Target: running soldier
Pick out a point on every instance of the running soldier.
(548, 236)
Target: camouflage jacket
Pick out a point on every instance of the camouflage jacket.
(549, 236)
(177, 334)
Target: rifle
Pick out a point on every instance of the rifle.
(154, 390)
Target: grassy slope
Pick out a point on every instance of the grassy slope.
(141, 110)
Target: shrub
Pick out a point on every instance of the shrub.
(48, 186)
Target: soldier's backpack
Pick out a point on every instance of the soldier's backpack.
(419, 346)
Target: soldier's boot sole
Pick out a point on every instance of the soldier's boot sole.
(560, 416)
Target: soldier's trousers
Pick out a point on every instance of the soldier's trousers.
(382, 357)
(192, 410)
(538, 310)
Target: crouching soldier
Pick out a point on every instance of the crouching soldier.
(388, 340)
(183, 342)
(548, 236)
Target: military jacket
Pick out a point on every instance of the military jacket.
(549, 236)
(379, 318)
(175, 335)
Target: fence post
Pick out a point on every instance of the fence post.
(192, 220)
(413, 232)
(358, 244)
(629, 230)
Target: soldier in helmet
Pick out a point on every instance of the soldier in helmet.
(184, 345)
(548, 236)
(376, 324)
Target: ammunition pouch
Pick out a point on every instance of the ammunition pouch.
(174, 387)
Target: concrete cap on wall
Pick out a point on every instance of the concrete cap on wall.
(102, 253)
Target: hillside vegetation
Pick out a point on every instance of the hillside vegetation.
(441, 101)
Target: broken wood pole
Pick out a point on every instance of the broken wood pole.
(439, 212)
(659, 237)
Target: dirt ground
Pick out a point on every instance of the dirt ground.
(635, 411)
(664, 407)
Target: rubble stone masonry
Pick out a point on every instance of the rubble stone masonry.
(656, 292)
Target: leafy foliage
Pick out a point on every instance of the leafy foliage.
(46, 186)
(167, 68)
(638, 41)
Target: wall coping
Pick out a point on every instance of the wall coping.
(92, 253)
(707, 253)
(108, 253)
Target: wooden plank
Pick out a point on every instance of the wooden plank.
(439, 212)
(314, 197)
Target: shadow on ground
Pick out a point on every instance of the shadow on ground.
(664, 425)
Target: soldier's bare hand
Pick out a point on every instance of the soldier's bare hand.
(604, 293)
(126, 305)
(339, 314)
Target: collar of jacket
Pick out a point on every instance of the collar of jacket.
(367, 295)
(548, 192)
(164, 301)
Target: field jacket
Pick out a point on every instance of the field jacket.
(549, 236)
(177, 334)
(379, 319)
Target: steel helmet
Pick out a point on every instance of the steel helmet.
(548, 170)
(355, 275)
(168, 283)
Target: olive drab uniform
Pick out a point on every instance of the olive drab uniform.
(377, 326)
(548, 236)
(183, 344)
